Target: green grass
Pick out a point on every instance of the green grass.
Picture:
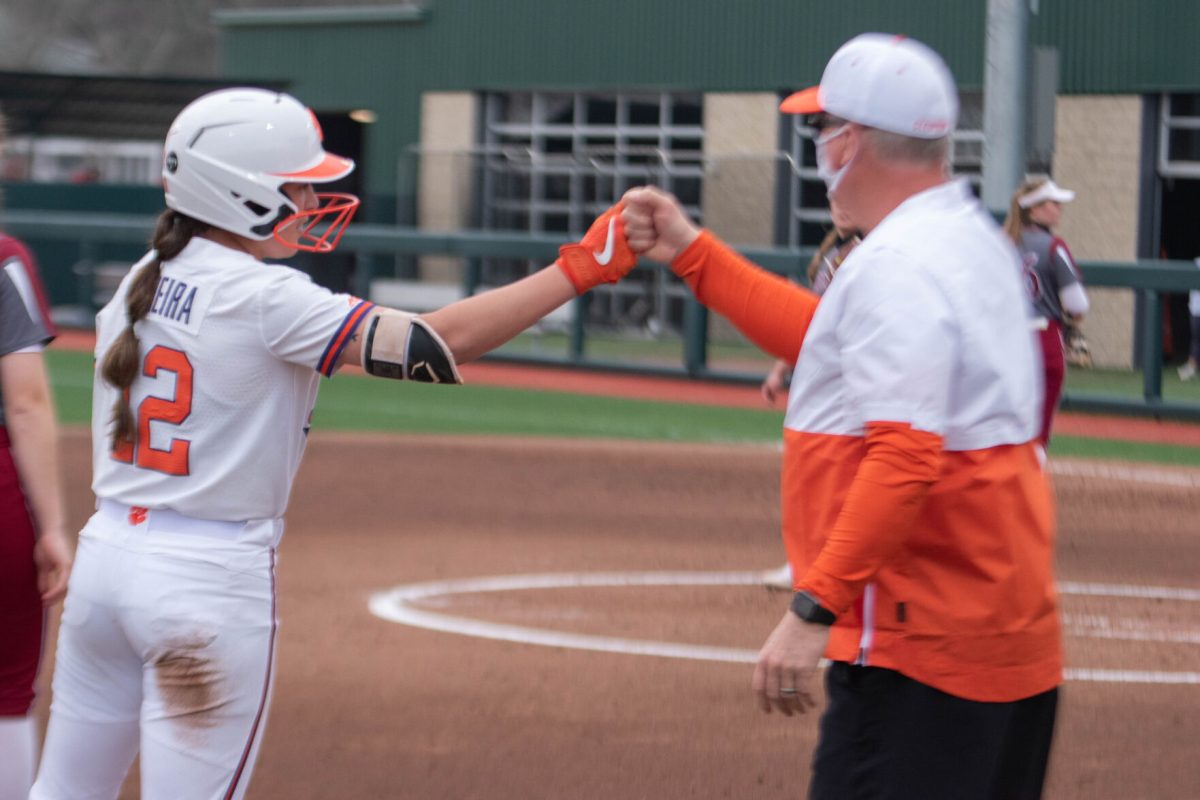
(1113, 449)
(1128, 383)
(358, 403)
(361, 403)
(71, 376)
(661, 351)
(740, 355)
(351, 402)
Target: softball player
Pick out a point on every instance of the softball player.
(1055, 287)
(208, 363)
(34, 557)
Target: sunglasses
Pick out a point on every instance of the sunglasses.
(821, 121)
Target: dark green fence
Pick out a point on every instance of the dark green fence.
(80, 242)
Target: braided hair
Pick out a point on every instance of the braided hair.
(172, 233)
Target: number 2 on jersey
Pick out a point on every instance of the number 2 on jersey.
(173, 460)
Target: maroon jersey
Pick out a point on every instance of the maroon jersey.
(24, 322)
(1049, 268)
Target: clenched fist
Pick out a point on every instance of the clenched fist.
(655, 224)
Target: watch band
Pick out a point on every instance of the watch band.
(806, 607)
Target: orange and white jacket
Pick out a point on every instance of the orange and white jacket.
(915, 506)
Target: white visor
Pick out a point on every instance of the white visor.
(1047, 191)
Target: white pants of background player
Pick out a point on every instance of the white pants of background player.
(167, 644)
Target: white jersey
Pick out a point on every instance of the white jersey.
(908, 332)
(231, 354)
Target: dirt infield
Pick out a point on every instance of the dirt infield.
(366, 708)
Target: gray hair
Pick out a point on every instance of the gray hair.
(898, 147)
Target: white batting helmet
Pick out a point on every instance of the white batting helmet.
(228, 154)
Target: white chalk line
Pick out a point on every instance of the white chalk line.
(399, 605)
(1132, 591)
(1121, 471)
(1127, 629)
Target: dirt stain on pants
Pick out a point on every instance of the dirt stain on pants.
(189, 681)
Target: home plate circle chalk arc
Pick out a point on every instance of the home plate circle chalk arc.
(401, 604)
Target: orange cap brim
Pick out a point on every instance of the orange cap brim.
(329, 169)
(802, 102)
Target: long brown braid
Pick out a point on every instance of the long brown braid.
(122, 362)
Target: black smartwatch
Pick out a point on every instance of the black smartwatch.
(806, 607)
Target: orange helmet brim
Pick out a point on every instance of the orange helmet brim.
(330, 168)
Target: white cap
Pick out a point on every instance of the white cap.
(884, 81)
(1046, 191)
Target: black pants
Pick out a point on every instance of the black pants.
(887, 737)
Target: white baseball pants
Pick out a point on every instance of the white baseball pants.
(167, 645)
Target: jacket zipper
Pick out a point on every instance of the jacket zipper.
(868, 631)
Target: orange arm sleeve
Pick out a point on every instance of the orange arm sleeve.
(771, 311)
(888, 491)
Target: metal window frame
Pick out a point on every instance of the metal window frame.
(1167, 123)
(630, 154)
(617, 163)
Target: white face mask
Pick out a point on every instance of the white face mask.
(831, 176)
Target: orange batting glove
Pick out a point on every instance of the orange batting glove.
(602, 256)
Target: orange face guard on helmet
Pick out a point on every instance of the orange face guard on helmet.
(318, 230)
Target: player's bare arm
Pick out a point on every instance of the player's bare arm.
(474, 325)
(31, 426)
(429, 347)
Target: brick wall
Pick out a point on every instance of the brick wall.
(741, 136)
(448, 124)
(1098, 154)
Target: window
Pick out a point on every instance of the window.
(552, 162)
(1179, 136)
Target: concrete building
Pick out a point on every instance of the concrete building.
(534, 114)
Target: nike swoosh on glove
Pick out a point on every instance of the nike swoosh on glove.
(602, 256)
